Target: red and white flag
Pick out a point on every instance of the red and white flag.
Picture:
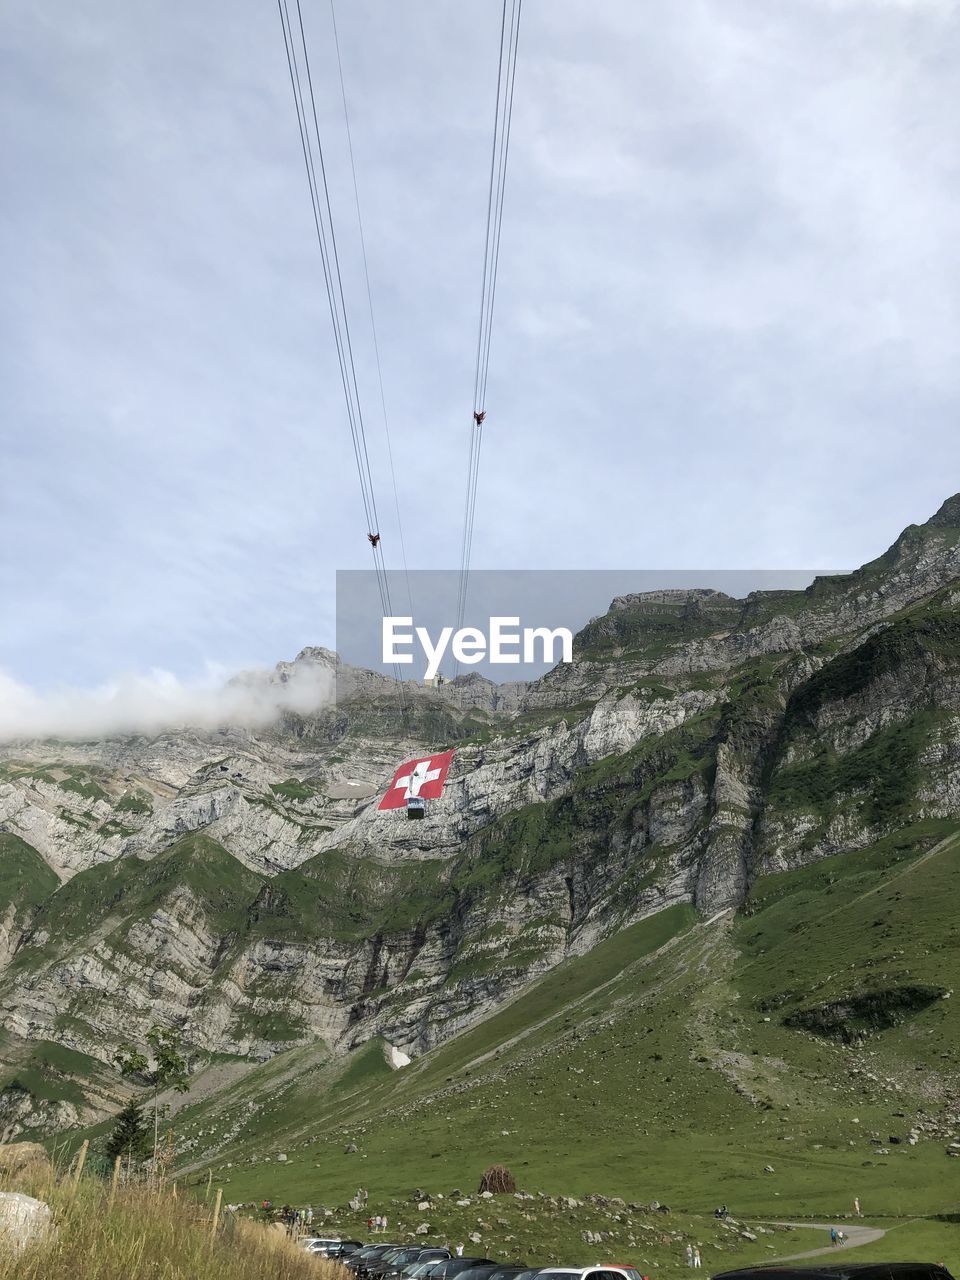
(424, 777)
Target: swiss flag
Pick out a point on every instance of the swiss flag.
(423, 776)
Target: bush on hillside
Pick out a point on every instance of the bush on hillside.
(499, 1180)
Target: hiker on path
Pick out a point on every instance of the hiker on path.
(696, 1258)
(856, 1206)
(833, 1236)
(383, 1224)
(369, 1224)
(689, 1255)
(459, 1250)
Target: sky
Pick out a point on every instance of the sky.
(725, 337)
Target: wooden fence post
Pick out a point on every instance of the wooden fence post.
(115, 1179)
(216, 1213)
(81, 1161)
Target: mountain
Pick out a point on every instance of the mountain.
(239, 884)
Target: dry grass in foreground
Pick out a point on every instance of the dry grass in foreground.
(146, 1236)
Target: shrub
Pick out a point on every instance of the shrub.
(499, 1180)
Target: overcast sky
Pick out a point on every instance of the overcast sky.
(727, 318)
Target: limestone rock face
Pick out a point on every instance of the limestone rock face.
(242, 886)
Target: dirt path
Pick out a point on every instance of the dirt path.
(855, 1236)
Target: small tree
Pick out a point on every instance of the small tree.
(499, 1180)
(169, 1070)
(131, 1135)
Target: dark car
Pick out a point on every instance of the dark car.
(364, 1258)
(419, 1258)
(396, 1259)
(487, 1271)
(456, 1267)
(354, 1261)
(414, 1270)
(376, 1266)
(343, 1249)
(513, 1271)
(843, 1271)
(371, 1267)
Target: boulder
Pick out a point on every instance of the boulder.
(23, 1220)
(17, 1158)
(423, 1228)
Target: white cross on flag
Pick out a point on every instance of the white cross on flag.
(424, 777)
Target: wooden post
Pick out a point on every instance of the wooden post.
(81, 1161)
(216, 1213)
(173, 1189)
(115, 1180)
(209, 1181)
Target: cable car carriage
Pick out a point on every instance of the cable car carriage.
(416, 807)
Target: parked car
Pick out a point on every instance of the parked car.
(354, 1261)
(455, 1267)
(364, 1258)
(391, 1263)
(373, 1266)
(420, 1259)
(370, 1268)
(484, 1271)
(414, 1270)
(599, 1271)
(338, 1249)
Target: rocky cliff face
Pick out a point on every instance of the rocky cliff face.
(242, 886)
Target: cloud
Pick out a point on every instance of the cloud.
(151, 703)
(726, 319)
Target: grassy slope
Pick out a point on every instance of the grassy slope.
(659, 1066)
(25, 879)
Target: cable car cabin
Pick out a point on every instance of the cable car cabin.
(416, 806)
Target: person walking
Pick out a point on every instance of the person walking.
(689, 1255)
(696, 1258)
(856, 1206)
(459, 1250)
(833, 1236)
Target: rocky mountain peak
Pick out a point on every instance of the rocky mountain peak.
(948, 516)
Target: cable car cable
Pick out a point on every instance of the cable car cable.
(326, 238)
(503, 118)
